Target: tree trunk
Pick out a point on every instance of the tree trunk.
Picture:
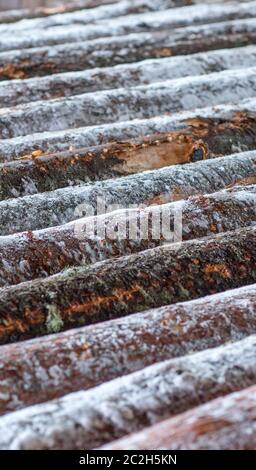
(199, 139)
(108, 51)
(88, 419)
(30, 255)
(118, 287)
(148, 188)
(13, 93)
(103, 352)
(224, 423)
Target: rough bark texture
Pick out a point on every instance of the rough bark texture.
(200, 139)
(150, 187)
(103, 352)
(225, 423)
(30, 255)
(111, 10)
(56, 141)
(88, 419)
(109, 51)
(119, 105)
(194, 16)
(115, 288)
(67, 84)
(11, 16)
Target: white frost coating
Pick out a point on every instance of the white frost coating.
(224, 423)
(128, 75)
(95, 135)
(88, 419)
(174, 17)
(76, 33)
(122, 104)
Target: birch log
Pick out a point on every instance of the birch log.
(121, 104)
(109, 51)
(16, 92)
(224, 423)
(148, 188)
(56, 141)
(88, 419)
(115, 348)
(115, 288)
(30, 255)
(200, 139)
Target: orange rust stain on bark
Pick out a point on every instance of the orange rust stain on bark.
(10, 71)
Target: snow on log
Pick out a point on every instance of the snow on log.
(224, 423)
(144, 101)
(148, 188)
(110, 51)
(89, 419)
(67, 84)
(30, 255)
(200, 139)
(115, 348)
(118, 287)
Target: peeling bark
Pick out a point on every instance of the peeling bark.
(200, 139)
(57, 141)
(225, 423)
(30, 255)
(103, 352)
(119, 105)
(150, 187)
(67, 84)
(115, 288)
(109, 51)
(88, 419)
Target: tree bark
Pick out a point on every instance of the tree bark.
(88, 419)
(139, 102)
(13, 93)
(118, 287)
(109, 51)
(224, 423)
(30, 255)
(148, 188)
(12, 15)
(200, 139)
(57, 141)
(103, 352)
(237, 20)
(80, 13)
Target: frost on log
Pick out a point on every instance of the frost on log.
(128, 225)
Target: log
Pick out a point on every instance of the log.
(89, 419)
(11, 16)
(200, 139)
(30, 255)
(224, 423)
(139, 102)
(150, 187)
(115, 348)
(115, 288)
(16, 92)
(112, 9)
(72, 29)
(109, 51)
(57, 141)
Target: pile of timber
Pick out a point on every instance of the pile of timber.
(128, 225)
